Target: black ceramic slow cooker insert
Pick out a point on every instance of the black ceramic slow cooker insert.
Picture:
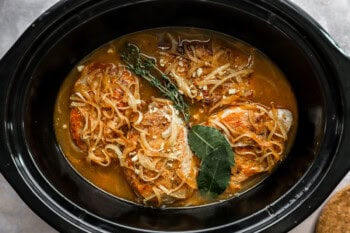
(35, 67)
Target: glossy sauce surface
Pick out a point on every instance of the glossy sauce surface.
(267, 81)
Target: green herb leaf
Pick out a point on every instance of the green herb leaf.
(203, 140)
(211, 146)
(214, 173)
(208, 143)
(145, 67)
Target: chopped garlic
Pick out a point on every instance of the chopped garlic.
(135, 158)
(110, 51)
(181, 69)
(153, 109)
(64, 126)
(162, 62)
(80, 68)
(232, 91)
(167, 116)
(199, 72)
(205, 87)
(194, 92)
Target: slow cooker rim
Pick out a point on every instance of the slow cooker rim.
(42, 21)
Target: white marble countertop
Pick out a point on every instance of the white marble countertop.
(17, 15)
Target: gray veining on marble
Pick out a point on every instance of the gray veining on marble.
(15, 216)
(333, 16)
(17, 15)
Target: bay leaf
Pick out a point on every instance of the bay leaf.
(214, 173)
(204, 139)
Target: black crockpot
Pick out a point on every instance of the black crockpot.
(35, 67)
